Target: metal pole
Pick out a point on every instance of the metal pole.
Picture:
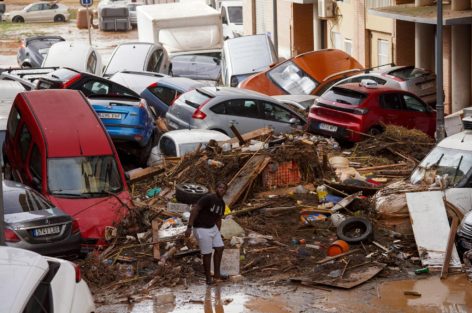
(276, 34)
(440, 129)
(88, 26)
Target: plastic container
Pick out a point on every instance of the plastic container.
(321, 192)
(337, 247)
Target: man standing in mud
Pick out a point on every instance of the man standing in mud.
(205, 219)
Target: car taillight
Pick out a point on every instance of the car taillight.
(68, 83)
(360, 111)
(199, 115)
(153, 85)
(78, 277)
(75, 227)
(11, 236)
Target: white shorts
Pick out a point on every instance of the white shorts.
(208, 238)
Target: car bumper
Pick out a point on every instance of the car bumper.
(135, 135)
(69, 247)
(337, 131)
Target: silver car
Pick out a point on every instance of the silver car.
(33, 223)
(419, 81)
(218, 108)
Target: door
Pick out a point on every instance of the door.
(279, 118)
(34, 13)
(242, 113)
(392, 110)
(420, 116)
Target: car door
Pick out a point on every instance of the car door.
(278, 117)
(33, 14)
(420, 115)
(391, 110)
(47, 12)
(242, 113)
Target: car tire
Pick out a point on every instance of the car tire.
(355, 230)
(59, 18)
(18, 19)
(375, 130)
(189, 193)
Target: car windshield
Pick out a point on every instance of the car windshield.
(63, 74)
(408, 73)
(17, 200)
(292, 79)
(346, 96)
(42, 43)
(457, 164)
(235, 15)
(83, 176)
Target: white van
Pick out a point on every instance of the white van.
(78, 56)
(232, 18)
(245, 56)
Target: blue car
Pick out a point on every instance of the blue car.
(162, 94)
(130, 122)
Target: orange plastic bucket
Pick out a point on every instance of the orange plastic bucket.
(337, 247)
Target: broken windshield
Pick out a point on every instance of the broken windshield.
(83, 176)
(292, 79)
(454, 163)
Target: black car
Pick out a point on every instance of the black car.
(33, 223)
(34, 49)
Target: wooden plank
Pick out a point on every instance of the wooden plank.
(431, 228)
(330, 258)
(155, 224)
(450, 245)
(237, 134)
(252, 135)
(140, 174)
(244, 178)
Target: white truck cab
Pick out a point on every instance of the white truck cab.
(232, 18)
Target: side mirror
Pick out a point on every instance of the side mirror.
(294, 121)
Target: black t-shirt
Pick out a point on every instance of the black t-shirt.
(212, 209)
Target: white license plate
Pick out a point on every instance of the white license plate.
(38, 232)
(115, 116)
(427, 85)
(327, 127)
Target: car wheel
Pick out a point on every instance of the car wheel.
(355, 230)
(59, 18)
(189, 193)
(18, 19)
(374, 131)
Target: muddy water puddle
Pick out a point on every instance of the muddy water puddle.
(453, 294)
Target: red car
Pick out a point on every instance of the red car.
(56, 144)
(346, 111)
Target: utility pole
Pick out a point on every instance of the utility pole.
(274, 20)
(440, 129)
(2, 209)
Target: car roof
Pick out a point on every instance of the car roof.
(459, 141)
(233, 92)
(76, 51)
(368, 90)
(68, 132)
(183, 83)
(183, 136)
(136, 81)
(21, 271)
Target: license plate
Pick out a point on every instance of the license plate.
(327, 127)
(115, 116)
(38, 232)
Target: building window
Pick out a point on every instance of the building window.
(372, 4)
(383, 52)
(348, 46)
(337, 40)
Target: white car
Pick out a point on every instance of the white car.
(177, 143)
(39, 12)
(30, 282)
(78, 56)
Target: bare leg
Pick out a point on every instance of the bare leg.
(207, 267)
(217, 261)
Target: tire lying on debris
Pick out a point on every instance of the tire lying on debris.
(355, 230)
(189, 193)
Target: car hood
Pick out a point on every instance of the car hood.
(94, 214)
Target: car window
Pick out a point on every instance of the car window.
(120, 90)
(242, 107)
(53, 6)
(13, 121)
(166, 95)
(35, 7)
(194, 98)
(358, 79)
(155, 61)
(25, 141)
(292, 79)
(168, 147)
(235, 14)
(95, 87)
(17, 200)
(408, 73)
(275, 113)
(35, 163)
(391, 101)
(92, 62)
(345, 96)
(413, 104)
